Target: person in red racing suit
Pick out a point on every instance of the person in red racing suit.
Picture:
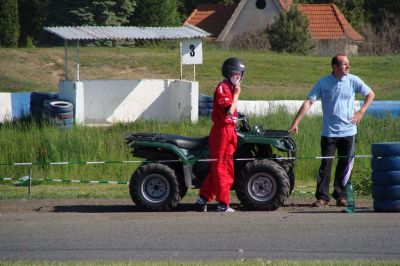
(223, 138)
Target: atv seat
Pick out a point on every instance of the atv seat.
(185, 142)
(180, 141)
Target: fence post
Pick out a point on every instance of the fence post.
(30, 182)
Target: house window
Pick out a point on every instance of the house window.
(261, 4)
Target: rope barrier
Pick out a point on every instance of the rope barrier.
(24, 181)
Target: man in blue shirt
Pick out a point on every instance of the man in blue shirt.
(337, 93)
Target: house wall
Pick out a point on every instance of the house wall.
(332, 47)
(250, 18)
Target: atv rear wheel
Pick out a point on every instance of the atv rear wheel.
(155, 187)
(263, 185)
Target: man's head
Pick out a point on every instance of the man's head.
(340, 65)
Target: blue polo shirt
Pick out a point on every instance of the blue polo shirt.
(337, 99)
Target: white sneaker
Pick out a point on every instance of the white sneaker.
(224, 208)
(201, 205)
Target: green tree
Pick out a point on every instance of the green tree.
(89, 12)
(9, 25)
(156, 13)
(69, 13)
(377, 10)
(290, 33)
(32, 16)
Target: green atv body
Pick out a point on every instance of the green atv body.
(264, 162)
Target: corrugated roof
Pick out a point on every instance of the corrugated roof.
(326, 22)
(114, 33)
(211, 17)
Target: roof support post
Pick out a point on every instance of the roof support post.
(66, 59)
(77, 60)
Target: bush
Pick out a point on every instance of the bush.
(381, 39)
(290, 33)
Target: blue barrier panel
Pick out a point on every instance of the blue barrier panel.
(384, 108)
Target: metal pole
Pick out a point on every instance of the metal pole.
(194, 72)
(180, 50)
(77, 61)
(66, 59)
(30, 182)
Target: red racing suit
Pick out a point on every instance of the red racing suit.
(223, 141)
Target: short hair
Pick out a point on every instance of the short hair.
(335, 60)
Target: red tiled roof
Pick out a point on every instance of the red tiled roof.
(211, 17)
(326, 22)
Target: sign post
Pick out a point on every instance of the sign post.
(191, 54)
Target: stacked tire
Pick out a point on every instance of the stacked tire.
(385, 165)
(205, 105)
(38, 104)
(61, 113)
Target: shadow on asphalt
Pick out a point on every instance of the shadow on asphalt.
(182, 207)
(190, 207)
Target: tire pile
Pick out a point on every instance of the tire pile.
(385, 165)
(205, 105)
(47, 107)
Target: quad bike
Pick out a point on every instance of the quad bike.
(264, 162)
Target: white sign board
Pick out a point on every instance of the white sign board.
(192, 52)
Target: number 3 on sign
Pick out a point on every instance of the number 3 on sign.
(192, 52)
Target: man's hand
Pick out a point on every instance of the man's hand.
(294, 128)
(357, 117)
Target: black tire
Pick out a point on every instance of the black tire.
(57, 107)
(155, 187)
(205, 105)
(385, 149)
(288, 166)
(205, 112)
(387, 205)
(385, 164)
(386, 192)
(205, 99)
(263, 185)
(386, 178)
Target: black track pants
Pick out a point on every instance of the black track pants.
(345, 152)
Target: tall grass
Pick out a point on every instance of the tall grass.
(28, 141)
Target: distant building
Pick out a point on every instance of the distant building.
(329, 29)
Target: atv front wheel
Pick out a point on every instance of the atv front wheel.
(263, 185)
(155, 187)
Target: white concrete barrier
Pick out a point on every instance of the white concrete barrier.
(112, 101)
(265, 107)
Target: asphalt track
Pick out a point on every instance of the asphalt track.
(116, 230)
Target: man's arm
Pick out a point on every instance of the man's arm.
(300, 114)
(360, 113)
